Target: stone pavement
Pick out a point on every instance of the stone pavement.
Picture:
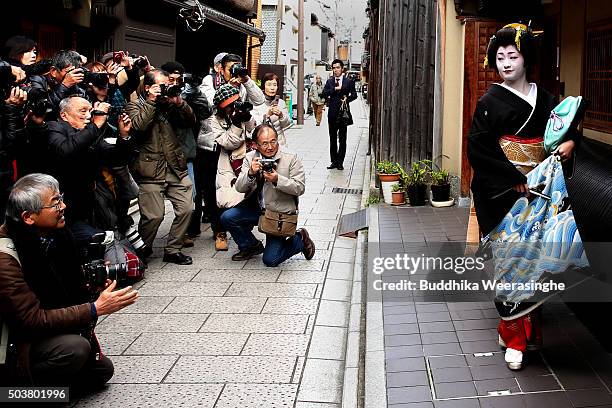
(425, 354)
(220, 333)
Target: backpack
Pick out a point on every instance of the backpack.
(563, 117)
(8, 247)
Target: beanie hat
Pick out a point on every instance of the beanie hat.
(173, 67)
(225, 95)
(219, 57)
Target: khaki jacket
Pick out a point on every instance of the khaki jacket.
(282, 197)
(157, 141)
(232, 144)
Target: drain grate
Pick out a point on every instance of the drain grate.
(340, 190)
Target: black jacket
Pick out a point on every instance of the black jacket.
(334, 98)
(55, 91)
(77, 158)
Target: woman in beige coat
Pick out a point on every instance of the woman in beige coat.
(274, 110)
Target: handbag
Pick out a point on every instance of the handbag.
(565, 116)
(277, 224)
(344, 116)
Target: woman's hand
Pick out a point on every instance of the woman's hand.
(521, 188)
(566, 149)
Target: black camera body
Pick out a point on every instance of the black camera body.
(97, 79)
(97, 272)
(38, 101)
(242, 108)
(170, 91)
(238, 71)
(113, 110)
(267, 165)
(139, 61)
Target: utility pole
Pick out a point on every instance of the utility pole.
(300, 84)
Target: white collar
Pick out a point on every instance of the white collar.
(529, 98)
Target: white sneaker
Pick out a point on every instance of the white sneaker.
(514, 359)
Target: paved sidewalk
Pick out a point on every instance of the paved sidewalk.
(220, 333)
(443, 354)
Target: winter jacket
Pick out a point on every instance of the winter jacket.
(315, 94)
(156, 138)
(260, 113)
(231, 140)
(43, 297)
(55, 91)
(282, 197)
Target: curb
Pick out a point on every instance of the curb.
(352, 396)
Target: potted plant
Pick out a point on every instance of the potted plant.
(440, 185)
(415, 181)
(389, 175)
(398, 195)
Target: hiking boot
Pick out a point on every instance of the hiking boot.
(221, 241)
(179, 258)
(249, 252)
(309, 246)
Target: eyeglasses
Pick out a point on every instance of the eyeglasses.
(271, 143)
(57, 206)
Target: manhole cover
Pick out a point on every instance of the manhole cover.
(482, 375)
(339, 190)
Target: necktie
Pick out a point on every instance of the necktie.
(337, 82)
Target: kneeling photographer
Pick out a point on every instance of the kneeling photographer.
(46, 305)
(275, 179)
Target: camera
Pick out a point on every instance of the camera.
(139, 61)
(113, 110)
(268, 165)
(96, 270)
(97, 79)
(170, 91)
(242, 108)
(237, 70)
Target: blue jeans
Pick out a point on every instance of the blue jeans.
(239, 222)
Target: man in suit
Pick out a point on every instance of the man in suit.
(337, 89)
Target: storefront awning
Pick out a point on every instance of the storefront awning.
(223, 19)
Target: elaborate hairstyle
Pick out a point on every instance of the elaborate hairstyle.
(515, 34)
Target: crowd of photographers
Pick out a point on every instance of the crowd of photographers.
(79, 141)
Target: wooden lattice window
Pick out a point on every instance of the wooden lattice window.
(597, 86)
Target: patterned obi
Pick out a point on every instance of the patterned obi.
(525, 154)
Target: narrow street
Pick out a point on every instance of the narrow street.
(220, 333)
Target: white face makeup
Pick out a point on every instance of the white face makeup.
(510, 64)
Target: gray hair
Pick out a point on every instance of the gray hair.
(66, 103)
(27, 194)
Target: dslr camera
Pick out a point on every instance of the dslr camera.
(137, 60)
(97, 271)
(97, 79)
(238, 71)
(170, 91)
(267, 165)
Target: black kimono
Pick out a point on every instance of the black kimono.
(500, 112)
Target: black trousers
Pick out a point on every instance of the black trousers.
(205, 171)
(67, 360)
(337, 133)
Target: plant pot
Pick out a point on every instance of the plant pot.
(391, 177)
(398, 197)
(416, 194)
(440, 193)
(387, 187)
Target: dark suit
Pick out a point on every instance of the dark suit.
(334, 101)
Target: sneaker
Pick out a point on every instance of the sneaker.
(309, 246)
(249, 252)
(221, 241)
(514, 359)
(179, 258)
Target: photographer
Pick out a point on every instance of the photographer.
(275, 179)
(237, 75)
(20, 51)
(199, 104)
(230, 128)
(161, 167)
(124, 71)
(213, 81)
(274, 110)
(78, 151)
(62, 80)
(45, 303)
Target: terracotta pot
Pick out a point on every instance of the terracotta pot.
(389, 177)
(440, 193)
(398, 197)
(416, 194)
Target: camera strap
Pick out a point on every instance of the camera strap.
(8, 247)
